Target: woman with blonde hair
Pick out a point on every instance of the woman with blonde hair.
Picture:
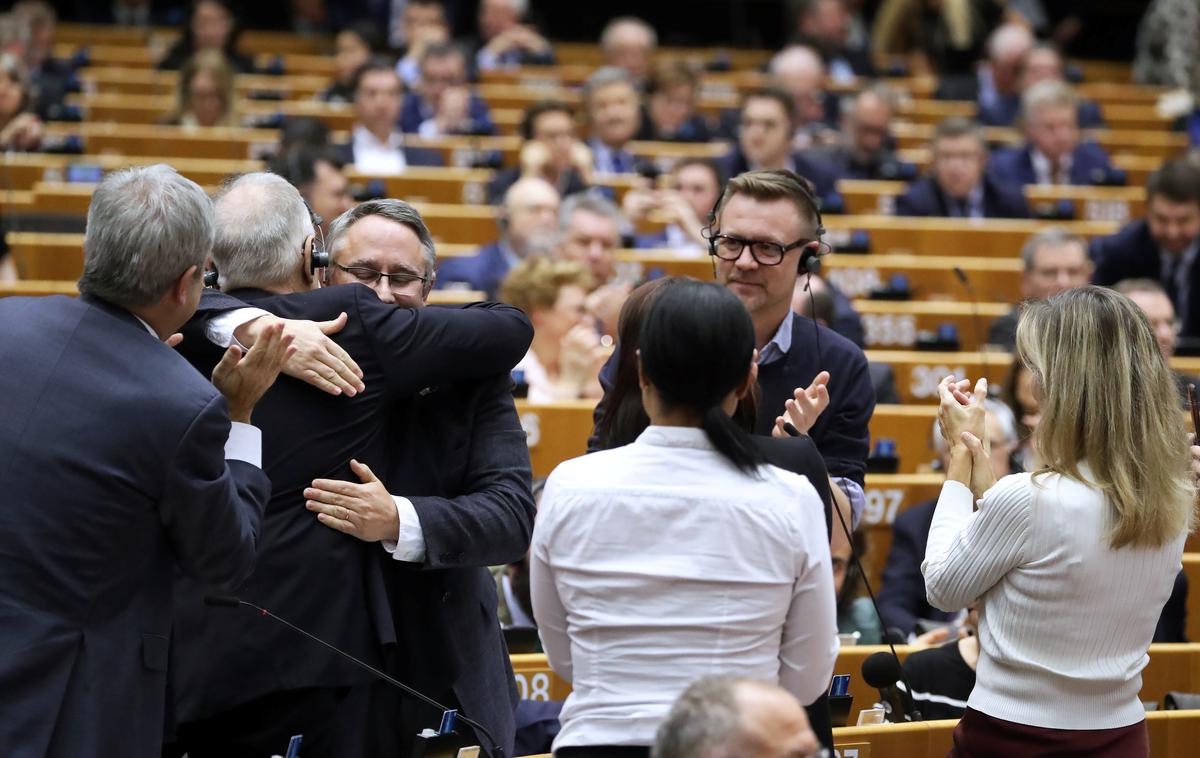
(1071, 563)
(205, 96)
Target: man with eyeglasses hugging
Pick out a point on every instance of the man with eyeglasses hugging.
(244, 687)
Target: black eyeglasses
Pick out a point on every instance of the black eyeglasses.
(371, 277)
(729, 248)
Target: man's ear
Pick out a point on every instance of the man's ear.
(183, 285)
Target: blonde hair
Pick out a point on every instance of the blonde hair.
(207, 62)
(1109, 400)
(534, 283)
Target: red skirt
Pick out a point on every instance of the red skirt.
(979, 735)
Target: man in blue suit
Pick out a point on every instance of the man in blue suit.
(122, 465)
(527, 228)
(1053, 153)
(958, 185)
(444, 67)
(377, 145)
(1164, 245)
(1040, 63)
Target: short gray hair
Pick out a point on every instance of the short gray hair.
(704, 722)
(1054, 236)
(603, 77)
(262, 222)
(611, 27)
(1048, 92)
(391, 209)
(145, 227)
(1004, 417)
(585, 201)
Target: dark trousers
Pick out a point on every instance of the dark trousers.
(331, 719)
(979, 735)
(821, 721)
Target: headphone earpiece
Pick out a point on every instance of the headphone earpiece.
(211, 278)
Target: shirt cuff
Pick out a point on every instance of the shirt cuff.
(856, 496)
(244, 444)
(956, 498)
(220, 328)
(410, 541)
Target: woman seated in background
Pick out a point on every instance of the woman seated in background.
(210, 26)
(1072, 564)
(205, 95)
(683, 553)
(1020, 396)
(670, 113)
(354, 47)
(855, 612)
(564, 361)
(20, 129)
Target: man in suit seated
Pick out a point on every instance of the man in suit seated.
(377, 145)
(999, 77)
(614, 115)
(1041, 62)
(867, 145)
(317, 173)
(505, 39)
(825, 27)
(1150, 296)
(466, 472)
(1164, 245)
(957, 184)
(1053, 152)
(798, 71)
(528, 225)
(670, 113)
(1052, 260)
(695, 187)
(589, 232)
(123, 466)
(765, 142)
(441, 102)
(629, 43)
(551, 151)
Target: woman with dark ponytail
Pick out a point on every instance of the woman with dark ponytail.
(683, 553)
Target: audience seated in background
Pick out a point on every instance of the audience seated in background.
(764, 142)
(506, 40)
(798, 70)
(942, 677)
(855, 613)
(958, 184)
(1053, 152)
(683, 205)
(824, 25)
(353, 47)
(422, 25)
(1052, 260)
(1041, 62)
(866, 148)
(551, 151)
(205, 95)
(614, 118)
(1164, 245)
(377, 144)
(670, 113)
(317, 173)
(49, 78)
(528, 229)
(589, 232)
(565, 358)
(20, 129)
(999, 76)
(906, 612)
(1020, 395)
(211, 26)
(817, 298)
(629, 43)
(441, 102)
(1150, 296)
(723, 717)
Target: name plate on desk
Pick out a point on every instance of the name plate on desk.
(852, 750)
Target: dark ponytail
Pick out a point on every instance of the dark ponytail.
(696, 344)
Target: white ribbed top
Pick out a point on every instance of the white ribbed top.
(1065, 621)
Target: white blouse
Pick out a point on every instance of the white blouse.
(659, 562)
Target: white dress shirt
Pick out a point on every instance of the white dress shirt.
(659, 562)
(375, 157)
(1044, 170)
(1064, 620)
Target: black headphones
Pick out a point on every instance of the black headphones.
(810, 259)
(319, 258)
(211, 277)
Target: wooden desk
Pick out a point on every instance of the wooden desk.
(890, 324)
(34, 288)
(21, 171)
(1155, 143)
(966, 238)
(930, 277)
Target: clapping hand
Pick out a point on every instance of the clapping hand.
(806, 406)
(243, 379)
(963, 420)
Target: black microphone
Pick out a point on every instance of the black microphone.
(976, 320)
(883, 671)
(232, 601)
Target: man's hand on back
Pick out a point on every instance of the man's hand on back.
(317, 360)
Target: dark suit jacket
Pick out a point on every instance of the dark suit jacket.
(569, 183)
(1089, 165)
(114, 475)
(460, 455)
(1133, 253)
(924, 198)
(483, 271)
(1004, 112)
(822, 174)
(885, 166)
(902, 599)
(415, 156)
(694, 129)
(416, 110)
(318, 578)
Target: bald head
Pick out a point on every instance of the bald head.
(799, 71)
(629, 43)
(1006, 47)
(531, 216)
